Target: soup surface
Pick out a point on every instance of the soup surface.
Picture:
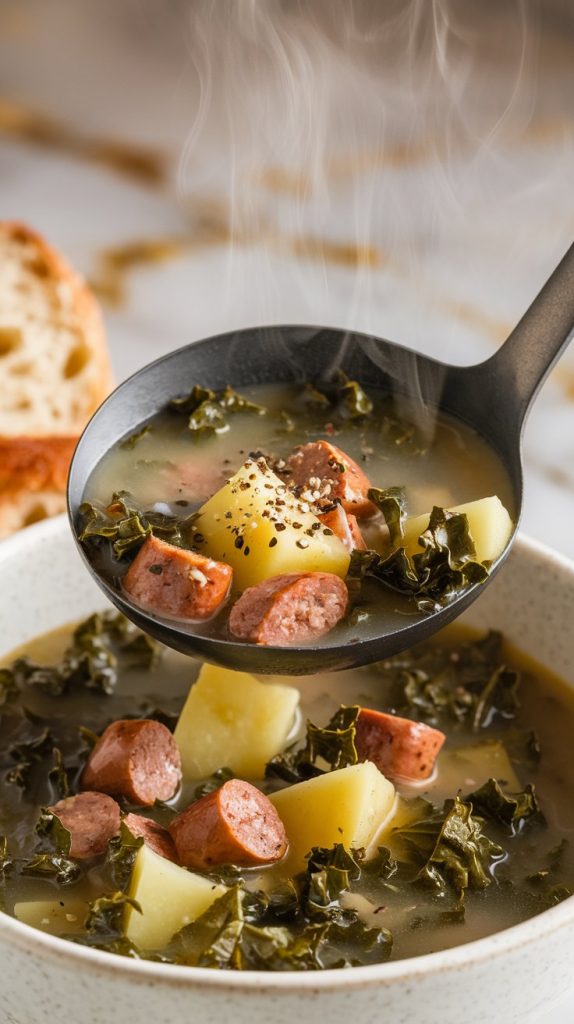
(166, 471)
(454, 858)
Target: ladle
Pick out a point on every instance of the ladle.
(493, 398)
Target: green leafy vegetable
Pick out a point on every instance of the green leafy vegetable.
(215, 781)
(332, 746)
(207, 409)
(105, 915)
(58, 776)
(452, 849)
(432, 579)
(52, 860)
(26, 755)
(510, 809)
(91, 661)
(392, 503)
(224, 938)
(125, 526)
(130, 442)
(121, 855)
(467, 684)
(328, 874)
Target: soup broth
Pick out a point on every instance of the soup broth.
(411, 897)
(170, 470)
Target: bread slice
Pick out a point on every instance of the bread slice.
(54, 372)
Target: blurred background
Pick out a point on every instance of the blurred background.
(404, 168)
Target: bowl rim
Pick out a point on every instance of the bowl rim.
(455, 958)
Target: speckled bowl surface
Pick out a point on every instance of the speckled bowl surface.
(513, 975)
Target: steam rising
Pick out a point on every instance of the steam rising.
(382, 97)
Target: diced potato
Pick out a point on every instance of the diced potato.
(346, 806)
(489, 523)
(231, 718)
(170, 897)
(239, 526)
(58, 917)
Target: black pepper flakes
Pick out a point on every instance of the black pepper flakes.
(156, 569)
(272, 542)
(246, 549)
(328, 532)
(239, 542)
(279, 527)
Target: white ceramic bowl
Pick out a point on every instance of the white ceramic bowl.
(514, 975)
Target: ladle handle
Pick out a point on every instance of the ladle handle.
(525, 359)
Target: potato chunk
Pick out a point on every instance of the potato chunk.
(346, 806)
(170, 897)
(58, 917)
(232, 719)
(489, 523)
(258, 527)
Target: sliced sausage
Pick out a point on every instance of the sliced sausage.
(289, 609)
(399, 747)
(328, 474)
(237, 824)
(345, 526)
(153, 834)
(92, 819)
(136, 759)
(176, 582)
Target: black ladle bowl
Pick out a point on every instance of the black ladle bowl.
(493, 398)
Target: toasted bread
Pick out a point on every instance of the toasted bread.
(54, 372)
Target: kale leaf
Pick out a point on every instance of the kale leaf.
(207, 409)
(392, 503)
(125, 526)
(510, 809)
(332, 746)
(215, 781)
(468, 684)
(437, 575)
(451, 849)
(52, 859)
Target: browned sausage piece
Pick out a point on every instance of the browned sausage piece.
(173, 581)
(345, 527)
(289, 609)
(92, 819)
(136, 759)
(329, 474)
(237, 824)
(399, 747)
(153, 834)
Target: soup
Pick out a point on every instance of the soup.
(294, 511)
(444, 848)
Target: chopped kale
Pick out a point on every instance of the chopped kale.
(510, 809)
(451, 848)
(52, 858)
(392, 503)
(325, 749)
(122, 852)
(130, 442)
(437, 575)
(125, 526)
(206, 409)
(328, 874)
(215, 781)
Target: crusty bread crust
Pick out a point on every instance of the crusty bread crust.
(54, 373)
(34, 463)
(44, 301)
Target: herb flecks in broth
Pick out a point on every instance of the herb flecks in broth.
(162, 474)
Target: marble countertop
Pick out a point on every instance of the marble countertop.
(202, 185)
